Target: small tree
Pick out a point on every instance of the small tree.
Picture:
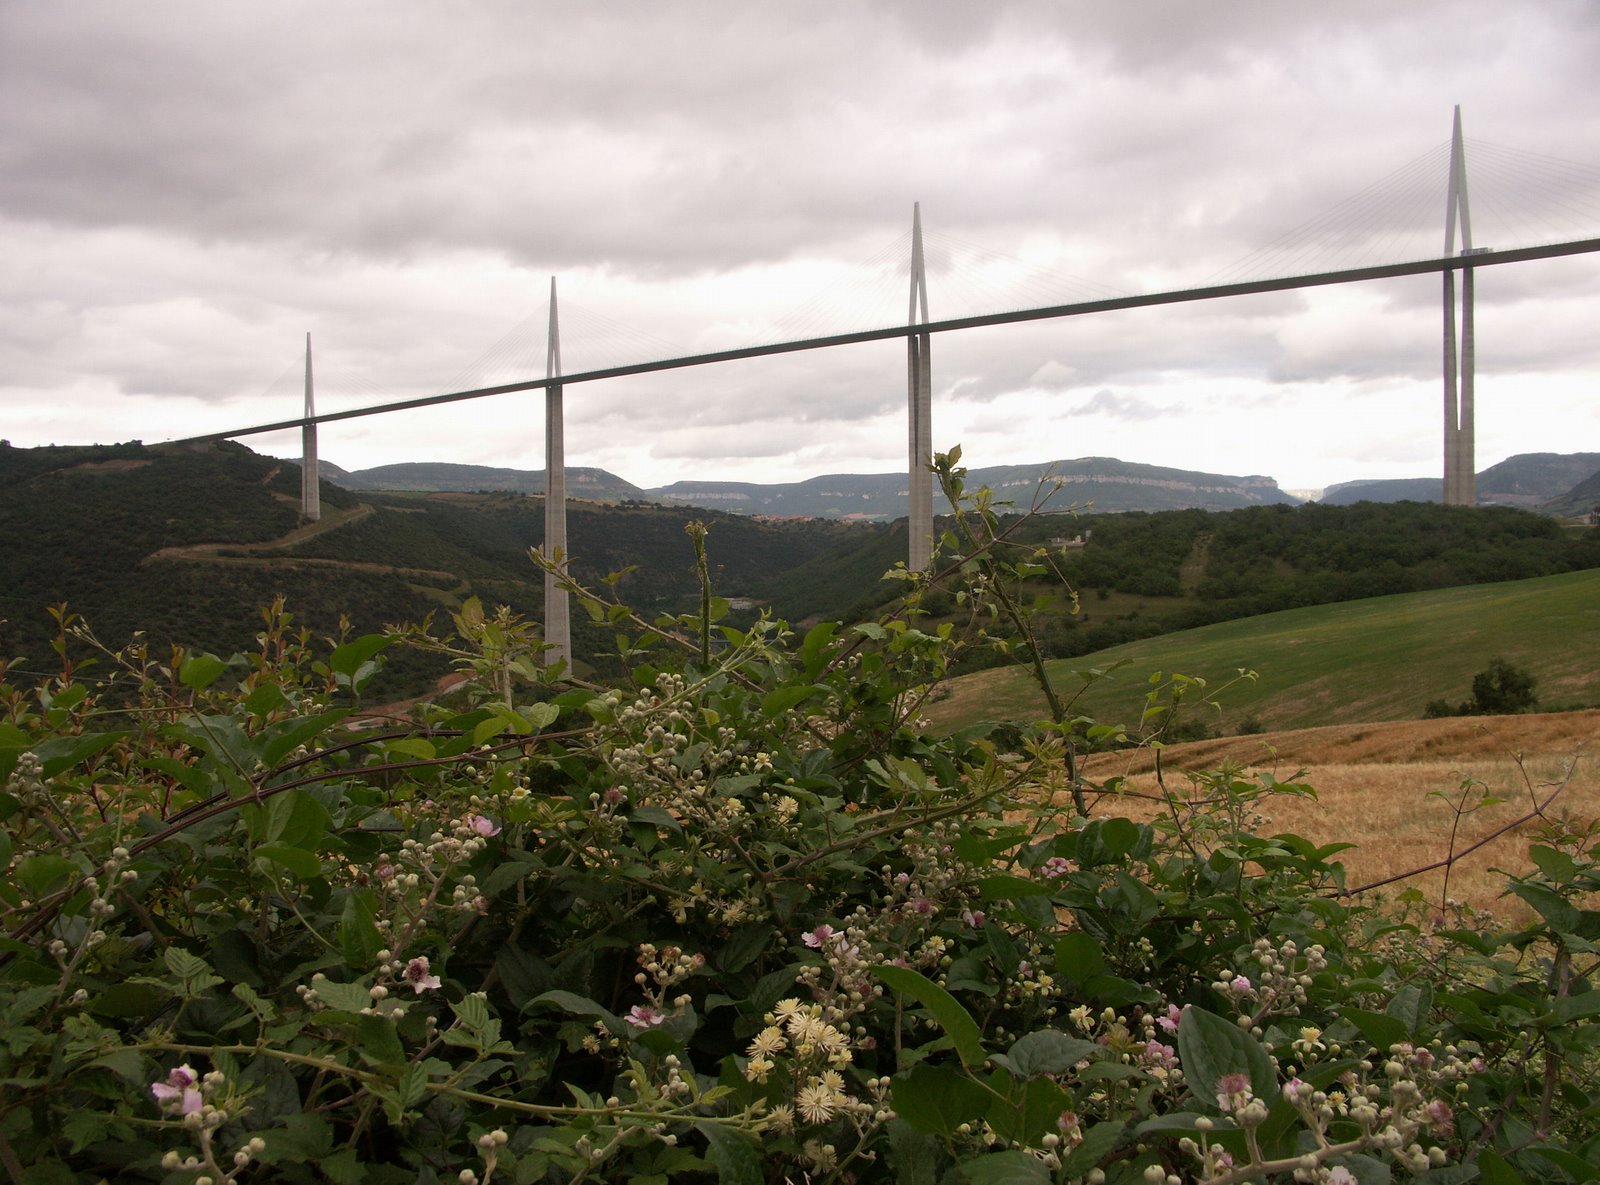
(1501, 689)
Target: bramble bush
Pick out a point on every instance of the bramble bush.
(738, 917)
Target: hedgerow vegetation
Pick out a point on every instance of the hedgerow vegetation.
(735, 917)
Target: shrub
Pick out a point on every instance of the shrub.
(1502, 690)
(737, 917)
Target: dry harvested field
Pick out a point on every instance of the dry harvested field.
(1379, 786)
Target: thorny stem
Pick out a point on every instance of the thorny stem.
(370, 1078)
(981, 552)
(1560, 982)
(1537, 812)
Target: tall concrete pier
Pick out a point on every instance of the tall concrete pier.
(1460, 453)
(557, 611)
(310, 482)
(919, 407)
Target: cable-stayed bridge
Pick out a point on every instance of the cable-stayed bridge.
(1339, 247)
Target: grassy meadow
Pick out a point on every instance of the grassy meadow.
(1341, 688)
(1378, 659)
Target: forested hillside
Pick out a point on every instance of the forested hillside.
(188, 546)
(1140, 575)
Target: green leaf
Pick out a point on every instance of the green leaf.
(780, 700)
(407, 1093)
(418, 747)
(655, 816)
(1411, 1005)
(1579, 1007)
(344, 997)
(735, 1155)
(1030, 1113)
(305, 865)
(60, 754)
(1210, 1046)
(303, 1138)
(1098, 1141)
(1493, 1170)
(42, 873)
(1009, 888)
(295, 818)
(85, 1127)
(1556, 865)
(201, 671)
(265, 700)
(1565, 1161)
(913, 1155)
(939, 1099)
(541, 715)
(348, 659)
(344, 1167)
(379, 1042)
(813, 651)
(945, 1009)
(127, 1064)
(284, 738)
(743, 947)
(1552, 906)
(359, 940)
(577, 1005)
(1380, 1029)
(1079, 957)
(1048, 1051)
(1005, 1168)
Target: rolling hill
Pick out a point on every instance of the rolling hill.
(1107, 483)
(188, 545)
(1382, 658)
(1527, 479)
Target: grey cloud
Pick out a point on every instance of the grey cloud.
(182, 199)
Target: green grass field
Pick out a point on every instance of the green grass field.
(1357, 661)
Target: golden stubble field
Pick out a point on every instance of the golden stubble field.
(1375, 785)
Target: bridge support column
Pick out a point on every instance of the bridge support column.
(310, 479)
(919, 408)
(557, 610)
(1460, 453)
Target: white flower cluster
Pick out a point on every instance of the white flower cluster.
(1284, 973)
(815, 1049)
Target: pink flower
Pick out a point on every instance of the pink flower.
(1157, 1054)
(484, 826)
(1341, 1176)
(1056, 866)
(180, 1087)
(1441, 1118)
(1171, 1020)
(643, 1016)
(1070, 1127)
(417, 975)
(815, 938)
(973, 917)
(1233, 1092)
(1239, 985)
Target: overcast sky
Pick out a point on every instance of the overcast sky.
(187, 189)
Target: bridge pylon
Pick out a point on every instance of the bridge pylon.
(919, 408)
(1460, 452)
(310, 479)
(557, 610)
